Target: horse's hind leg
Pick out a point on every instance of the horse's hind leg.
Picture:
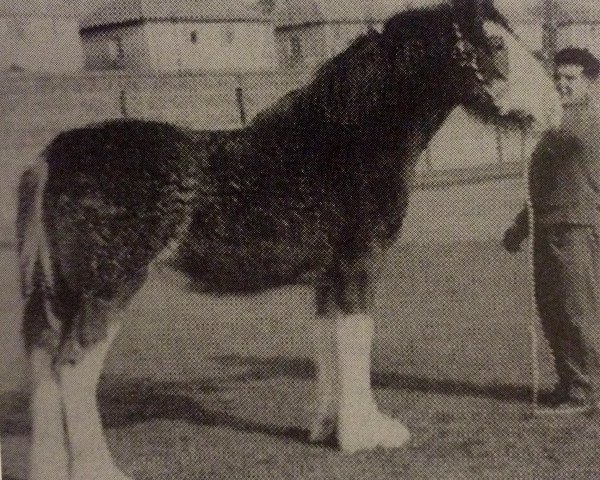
(48, 457)
(89, 453)
(42, 330)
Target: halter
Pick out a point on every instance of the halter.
(465, 55)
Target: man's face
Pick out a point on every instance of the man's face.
(574, 87)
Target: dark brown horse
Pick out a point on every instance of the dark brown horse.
(315, 189)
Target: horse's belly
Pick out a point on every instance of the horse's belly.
(246, 244)
(252, 265)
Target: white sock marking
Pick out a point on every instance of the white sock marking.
(90, 456)
(360, 424)
(326, 389)
(48, 458)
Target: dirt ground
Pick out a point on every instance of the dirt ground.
(219, 388)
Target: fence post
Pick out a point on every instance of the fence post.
(428, 159)
(239, 96)
(499, 143)
(123, 103)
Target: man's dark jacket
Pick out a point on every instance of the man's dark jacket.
(565, 172)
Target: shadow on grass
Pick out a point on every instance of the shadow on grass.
(264, 368)
(127, 402)
(124, 401)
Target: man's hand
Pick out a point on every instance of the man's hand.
(512, 239)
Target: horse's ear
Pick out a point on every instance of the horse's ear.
(350, 89)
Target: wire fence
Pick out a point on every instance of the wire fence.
(35, 108)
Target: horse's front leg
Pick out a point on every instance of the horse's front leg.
(360, 425)
(325, 411)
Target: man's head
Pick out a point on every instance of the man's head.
(576, 71)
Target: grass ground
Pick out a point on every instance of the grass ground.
(219, 388)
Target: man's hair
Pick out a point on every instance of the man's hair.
(579, 56)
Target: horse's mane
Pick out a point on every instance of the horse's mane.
(346, 88)
(308, 101)
(350, 88)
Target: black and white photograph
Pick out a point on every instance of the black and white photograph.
(299, 239)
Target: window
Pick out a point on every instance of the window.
(115, 49)
(295, 49)
(194, 37)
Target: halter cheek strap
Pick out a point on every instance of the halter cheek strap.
(465, 55)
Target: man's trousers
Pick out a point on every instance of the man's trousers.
(567, 277)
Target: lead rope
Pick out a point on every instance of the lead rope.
(532, 304)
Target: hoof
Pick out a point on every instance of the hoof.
(48, 461)
(366, 432)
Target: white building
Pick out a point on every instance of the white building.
(577, 23)
(178, 35)
(581, 29)
(308, 32)
(39, 35)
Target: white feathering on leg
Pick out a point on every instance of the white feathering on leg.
(90, 456)
(325, 357)
(361, 426)
(48, 458)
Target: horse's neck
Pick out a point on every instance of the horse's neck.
(433, 121)
(418, 130)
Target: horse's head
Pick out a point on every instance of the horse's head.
(425, 62)
(495, 75)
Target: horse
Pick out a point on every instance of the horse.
(313, 190)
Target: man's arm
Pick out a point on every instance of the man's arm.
(517, 232)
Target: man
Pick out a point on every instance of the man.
(565, 194)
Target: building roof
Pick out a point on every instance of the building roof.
(118, 12)
(37, 8)
(302, 12)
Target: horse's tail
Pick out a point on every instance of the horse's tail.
(32, 240)
(34, 252)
